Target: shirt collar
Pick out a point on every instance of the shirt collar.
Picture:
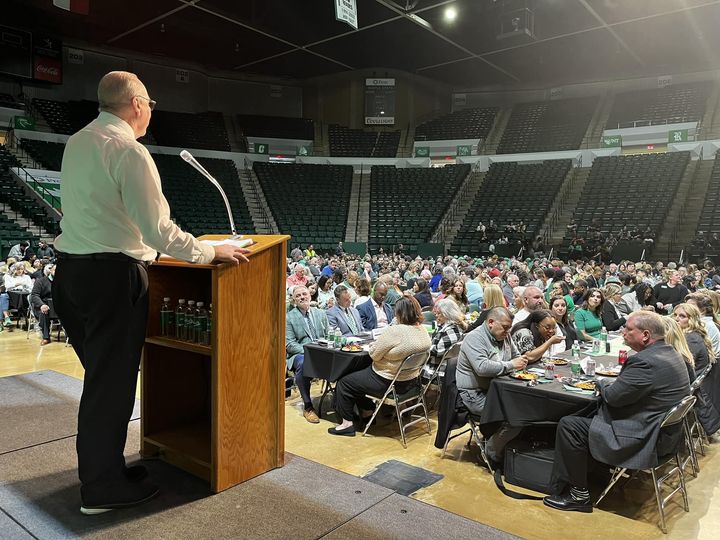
(491, 337)
(109, 118)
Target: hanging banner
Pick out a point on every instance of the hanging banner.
(346, 11)
(47, 59)
(380, 101)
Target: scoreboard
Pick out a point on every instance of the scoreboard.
(379, 102)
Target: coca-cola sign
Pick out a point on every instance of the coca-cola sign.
(48, 69)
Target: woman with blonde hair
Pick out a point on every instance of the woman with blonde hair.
(492, 297)
(612, 317)
(690, 319)
(675, 337)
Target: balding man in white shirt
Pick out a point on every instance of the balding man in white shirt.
(115, 220)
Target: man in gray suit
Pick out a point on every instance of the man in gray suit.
(625, 432)
(343, 315)
(303, 324)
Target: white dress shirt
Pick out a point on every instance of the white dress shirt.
(112, 198)
(379, 314)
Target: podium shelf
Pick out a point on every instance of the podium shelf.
(180, 345)
(192, 440)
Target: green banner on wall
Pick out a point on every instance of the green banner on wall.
(678, 135)
(422, 151)
(612, 141)
(464, 150)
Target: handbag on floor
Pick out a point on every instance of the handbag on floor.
(528, 465)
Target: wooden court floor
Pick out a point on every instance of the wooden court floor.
(466, 488)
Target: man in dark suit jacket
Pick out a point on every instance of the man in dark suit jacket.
(343, 315)
(625, 432)
(41, 300)
(368, 315)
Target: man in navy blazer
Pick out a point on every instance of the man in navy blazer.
(343, 315)
(369, 310)
(625, 432)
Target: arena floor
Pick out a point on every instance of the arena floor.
(465, 489)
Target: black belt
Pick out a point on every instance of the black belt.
(116, 257)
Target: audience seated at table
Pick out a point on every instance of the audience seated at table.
(558, 308)
(493, 298)
(625, 431)
(612, 317)
(488, 352)
(450, 327)
(588, 319)
(375, 313)
(535, 335)
(399, 341)
(343, 315)
(690, 320)
(303, 324)
(640, 297)
(533, 299)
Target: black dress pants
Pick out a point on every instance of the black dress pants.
(103, 304)
(572, 453)
(353, 387)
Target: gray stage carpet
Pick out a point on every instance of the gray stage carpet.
(39, 407)
(39, 497)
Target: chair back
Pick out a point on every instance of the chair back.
(414, 362)
(695, 386)
(452, 352)
(678, 412)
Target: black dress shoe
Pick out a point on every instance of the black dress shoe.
(347, 432)
(102, 499)
(567, 503)
(135, 473)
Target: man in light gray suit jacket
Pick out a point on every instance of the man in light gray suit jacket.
(343, 315)
(303, 324)
(625, 432)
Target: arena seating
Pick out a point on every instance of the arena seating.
(676, 103)
(464, 124)
(709, 222)
(308, 202)
(17, 204)
(406, 205)
(195, 204)
(547, 125)
(634, 191)
(6, 100)
(346, 142)
(279, 127)
(205, 131)
(47, 154)
(511, 192)
(66, 117)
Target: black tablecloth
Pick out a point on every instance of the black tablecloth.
(331, 364)
(513, 401)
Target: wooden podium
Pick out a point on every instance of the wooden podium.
(218, 411)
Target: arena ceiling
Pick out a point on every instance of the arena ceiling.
(574, 40)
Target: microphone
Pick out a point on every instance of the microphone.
(187, 156)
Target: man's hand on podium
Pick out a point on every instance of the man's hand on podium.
(230, 254)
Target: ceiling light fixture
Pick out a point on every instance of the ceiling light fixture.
(450, 14)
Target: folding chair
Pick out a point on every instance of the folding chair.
(413, 363)
(673, 417)
(696, 436)
(434, 373)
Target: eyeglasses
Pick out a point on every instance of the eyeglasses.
(151, 102)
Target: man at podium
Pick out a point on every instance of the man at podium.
(115, 220)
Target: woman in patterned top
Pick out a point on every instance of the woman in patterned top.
(535, 335)
(451, 325)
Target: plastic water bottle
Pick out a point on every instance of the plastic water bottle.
(338, 338)
(190, 322)
(166, 318)
(604, 343)
(180, 319)
(576, 350)
(201, 324)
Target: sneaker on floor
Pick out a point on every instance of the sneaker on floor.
(121, 495)
(311, 416)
